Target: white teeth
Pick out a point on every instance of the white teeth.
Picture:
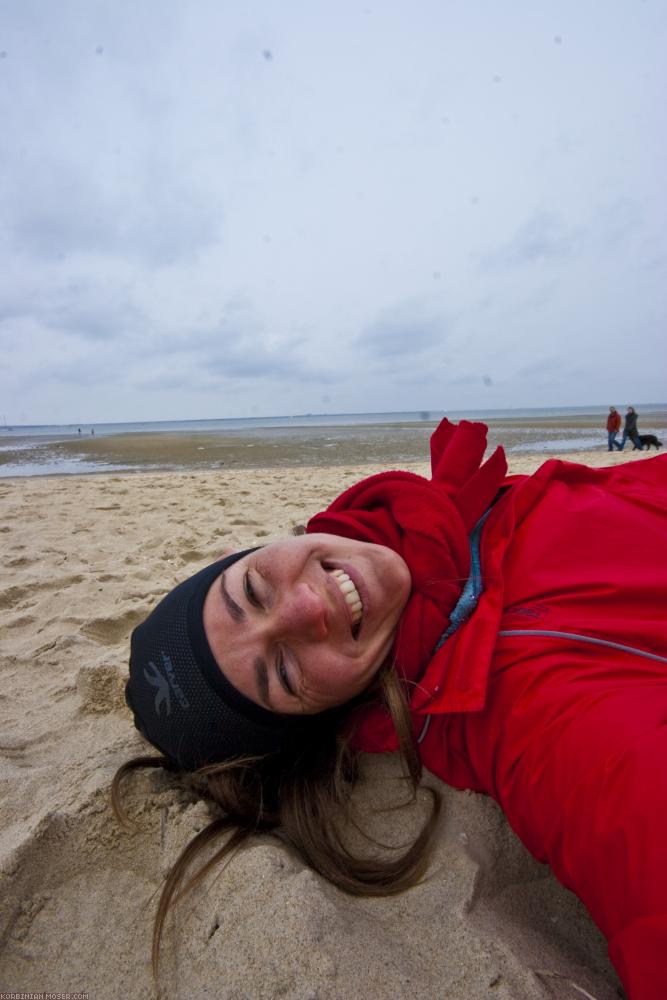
(350, 593)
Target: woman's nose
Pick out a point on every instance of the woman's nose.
(301, 610)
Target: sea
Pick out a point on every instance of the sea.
(320, 438)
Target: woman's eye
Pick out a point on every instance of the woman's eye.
(250, 591)
(283, 676)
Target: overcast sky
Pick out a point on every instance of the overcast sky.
(221, 208)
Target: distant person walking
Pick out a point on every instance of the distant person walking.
(630, 430)
(613, 427)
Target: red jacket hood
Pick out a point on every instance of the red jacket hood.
(428, 522)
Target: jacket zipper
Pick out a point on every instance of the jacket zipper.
(584, 638)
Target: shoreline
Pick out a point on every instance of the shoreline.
(391, 445)
(522, 462)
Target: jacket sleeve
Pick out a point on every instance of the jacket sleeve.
(572, 739)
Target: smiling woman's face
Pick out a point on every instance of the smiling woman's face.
(304, 623)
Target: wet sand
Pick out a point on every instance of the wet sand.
(84, 560)
(390, 445)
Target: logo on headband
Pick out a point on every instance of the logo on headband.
(159, 681)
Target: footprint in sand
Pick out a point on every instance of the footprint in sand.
(151, 544)
(109, 631)
(19, 562)
(193, 555)
(20, 622)
(11, 597)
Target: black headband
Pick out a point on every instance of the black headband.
(181, 700)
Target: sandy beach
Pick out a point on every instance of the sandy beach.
(84, 560)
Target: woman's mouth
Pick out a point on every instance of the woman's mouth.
(350, 595)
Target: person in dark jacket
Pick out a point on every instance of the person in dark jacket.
(630, 429)
(613, 427)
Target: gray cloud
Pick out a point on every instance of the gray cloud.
(251, 361)
(78, 307)
(63, 210)
(543, 237)
(407, 330)
(545, 367)
(472, 380)
(236, 348)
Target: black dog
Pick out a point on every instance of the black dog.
(647, 440)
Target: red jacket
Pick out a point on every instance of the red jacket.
(614, 421)
(552, 696)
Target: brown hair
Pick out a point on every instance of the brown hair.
(308, 799)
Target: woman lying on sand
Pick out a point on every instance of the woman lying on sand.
(509, 634)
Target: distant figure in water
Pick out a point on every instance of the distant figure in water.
(79, 430)
(92, 431)
(613, 427)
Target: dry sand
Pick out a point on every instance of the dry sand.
(84, 559)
